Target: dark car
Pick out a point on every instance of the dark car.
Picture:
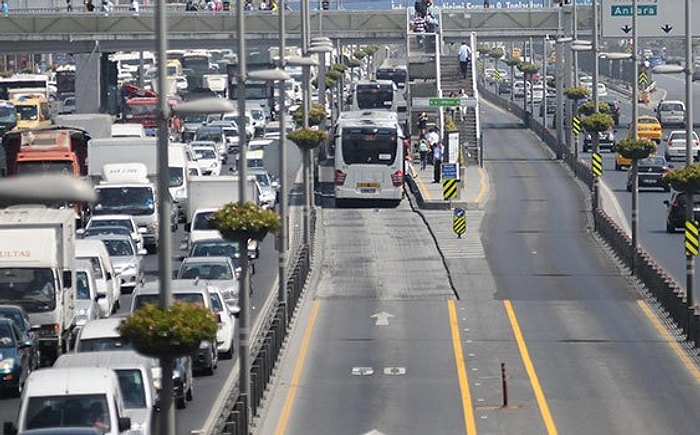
(606, 140)
(18, 315)
(16, 362)
(504, 87)
(614, 111)
(675, 211)
(650, 172)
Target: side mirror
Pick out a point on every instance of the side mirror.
(80, 231)
(26, 344)
(142, 230)
(124, 424)
(35, 328)
(100, 296)
(109, 276)
(67, 279)
(275, 185)
(141, 252)
(235, 309)
(666, 202)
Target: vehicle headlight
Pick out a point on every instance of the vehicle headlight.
(7, 364)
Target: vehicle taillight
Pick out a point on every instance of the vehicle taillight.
(340, 177)
(397, 178)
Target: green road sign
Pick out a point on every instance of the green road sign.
(443, 102)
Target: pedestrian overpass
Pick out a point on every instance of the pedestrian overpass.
(48, 30)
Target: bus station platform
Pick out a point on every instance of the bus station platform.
(472, 189)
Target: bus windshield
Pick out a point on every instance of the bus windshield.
(8, 115)
(142, 109)
(372, 96)
(27, 113)
(45, 167)
(369, 146)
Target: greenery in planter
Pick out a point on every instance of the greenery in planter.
(307, 138)
(339, 67)
(317, 114)
(528, 68)
(371, 49)
(496, 53)
(354, 63)
(597, 122)
(577, 93)
(334, 74)
(359, 54)
(635, 148)
(174, 332)
(483, 48)
(240, 222)
(512, 61)
(587, 108)
(686, 179)
(330, 82)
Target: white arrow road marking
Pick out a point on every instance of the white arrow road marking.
(382, 318)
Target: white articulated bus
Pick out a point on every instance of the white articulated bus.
(369, 157)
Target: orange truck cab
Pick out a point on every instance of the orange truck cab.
(144, 111)
(50, 150)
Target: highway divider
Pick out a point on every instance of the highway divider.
(668, 293)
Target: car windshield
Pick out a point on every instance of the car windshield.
(125, 200)
(74, 410)
(205, 153)
(118, 247)
(14, 315)
(177, 176)
(190, 298)
(653, 161)
(647, 121)
(201, 221)
(671, 106)
(7, 338)
(82, 287)
(31, 288)
(132, 386)
(102, 344)
(101, 231)
(204, 270)
(262, 179)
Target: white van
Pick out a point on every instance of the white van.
(671, 112)
(128, 130)
(135, 374)
(178, 157)
(73, 397)
(96, 253)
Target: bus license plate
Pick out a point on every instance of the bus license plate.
(365, 185)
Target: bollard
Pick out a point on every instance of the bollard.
(504, 385)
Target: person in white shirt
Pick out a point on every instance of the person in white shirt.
(465, 56)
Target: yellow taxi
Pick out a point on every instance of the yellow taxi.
(648, 127)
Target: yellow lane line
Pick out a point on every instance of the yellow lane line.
(469, 422)
(530, 368)
(298, 369)
(675, 346)
(484, 185)
(423, 189)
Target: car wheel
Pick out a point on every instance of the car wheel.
(228, 354)
(17, 392)
(180, 402)
(629, 187)
(670, 228)
(618, 167)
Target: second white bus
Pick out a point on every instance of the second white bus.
(369, 157)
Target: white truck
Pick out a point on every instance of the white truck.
(125, 189)
(206, 195)
(142, 150)
(37, 259)
(217, 83)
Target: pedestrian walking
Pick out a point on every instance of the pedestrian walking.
(89, 5)
(423, 150)
(462, 109)
(451, 109)
(69, 5)
(433, 136)
(419, 26)
(5, 9)
(422, 122)
(465, 56)
(437, 161)
(135, 7)
(408, 166)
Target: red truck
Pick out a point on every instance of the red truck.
(142, 107)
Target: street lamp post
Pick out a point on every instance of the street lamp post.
(282, 236)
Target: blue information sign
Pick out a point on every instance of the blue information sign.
(459, 212)
(449, 171)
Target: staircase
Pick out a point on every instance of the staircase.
(451, 81)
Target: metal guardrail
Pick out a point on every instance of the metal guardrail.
(661, 286)
(267, 346)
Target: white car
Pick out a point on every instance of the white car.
(208, 159)
(181, 83)
(86, 296)
(536, 94)
(227, 310)
(117, 220)
(675, 146)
